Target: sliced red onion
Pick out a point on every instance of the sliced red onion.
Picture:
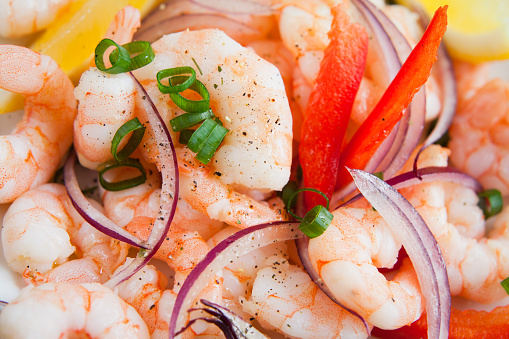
(302, 249)
(412, 123)
(176, 16)
(427, 174)
(233, 247)
(420, 245)
(155, 30)
(167, 164)
(233, 326)
(3, 304)
(236, 6)
(93, 216)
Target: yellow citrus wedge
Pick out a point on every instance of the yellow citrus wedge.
(477, 31)
(71, 39)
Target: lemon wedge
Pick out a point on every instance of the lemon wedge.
(71, 39)
(477, 30)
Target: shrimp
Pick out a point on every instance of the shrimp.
(146, 291)
(347, 255)
(106, 101)
(479, 141)
(41, 230)
(476, 260)
(285, 298)
(246, 92)
(73, 310)
(22, 17)
(31, 153)
(203, 190)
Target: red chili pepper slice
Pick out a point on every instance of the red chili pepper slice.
(469, 324)
(330, 105)
(390, 109)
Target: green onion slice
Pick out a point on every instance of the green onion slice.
(189, 119)
(316, 220)
(137, 129)
(124, 58)
(491, 202)
(191, 106)
(288, 192)
(166, 73)
(211, 144)
(119, 64)
(505, 285)
(125, 184)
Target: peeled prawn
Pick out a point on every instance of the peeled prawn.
(31, 153)
(22, 17)
(62, 310)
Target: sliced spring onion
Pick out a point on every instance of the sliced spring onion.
(206, 139)
(189, 120)
(119, 64)
(191, 106)
(124, 184)
(124, 58)
(185, 136)
(180, 71)
(316, 220)
(491, 202)
(137, 129)
(505, 284)
(288, 191)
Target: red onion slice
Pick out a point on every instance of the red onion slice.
(233, 326)
(427, 174)
(93, 216)
(419, 243)
(3, 304)
(233, 247)
(413, 124)
(167, 165)
(253, 7)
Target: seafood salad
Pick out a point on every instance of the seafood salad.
(254, 169)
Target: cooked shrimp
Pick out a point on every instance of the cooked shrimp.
(480, 136)
(347, 255)
(32, 152)
(476, 261)
(41, 230)
(22, 17)
(246, 93)
(202, 189)
(62, 310)
(146, 292)
(284, 298)
(106, 101)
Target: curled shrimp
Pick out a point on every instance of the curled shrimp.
(73, 310)
(41, 230)
(284, 298)
(246, 92)
(106, 101)
(31, 153)
(22, 17)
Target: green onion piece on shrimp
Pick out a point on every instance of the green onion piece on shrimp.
(137, 129)
(125, 58)
(491, 202)
(316, 220)
(124, 184)
(206, 139)
(180, 71)
(188, 105)
(187, 120)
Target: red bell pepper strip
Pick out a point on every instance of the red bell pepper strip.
(469, 324)
(330, 106)
(391, 107)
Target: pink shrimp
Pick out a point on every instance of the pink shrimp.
(32, 152)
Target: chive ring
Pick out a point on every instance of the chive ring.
(119, 58)
(141, 53)
(137, 129)
(187, 120)
(166, 73)
(491, 202)
(124, 184)
(191, 106)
